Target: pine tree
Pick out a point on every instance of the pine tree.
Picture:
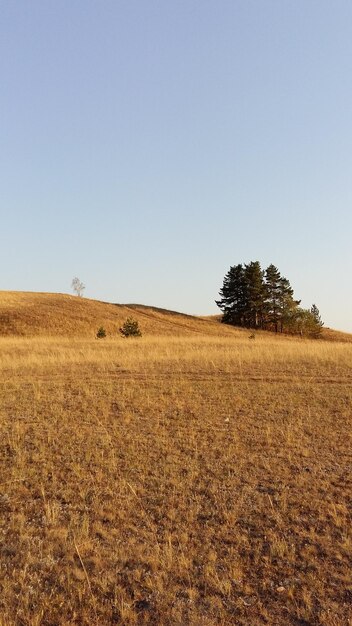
(254, 295)
(272, 296)
(287, 303)
(233, 296)
(318, 323)
(130, 328)
(255, 298)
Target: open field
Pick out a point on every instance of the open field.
(195, 479)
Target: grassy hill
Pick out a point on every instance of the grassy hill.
(50, 314)
(29, 314)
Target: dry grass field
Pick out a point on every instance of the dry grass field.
(192, 477)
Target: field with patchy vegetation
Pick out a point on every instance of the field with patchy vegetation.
(192, 477)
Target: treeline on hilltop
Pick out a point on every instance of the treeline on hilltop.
(263, 299)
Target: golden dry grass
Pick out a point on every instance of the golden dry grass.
(51, 314)
(175, 480)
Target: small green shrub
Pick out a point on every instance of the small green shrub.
(130, 328)
(101, 334)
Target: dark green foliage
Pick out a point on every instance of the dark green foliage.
(316, 315)
(130, 328)
(233, 297)
(317, 321)
(287, 304)
(254, 294)
(254, 298)
(272, 300)
(101, 333)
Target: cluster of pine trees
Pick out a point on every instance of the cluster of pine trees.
(263, 299)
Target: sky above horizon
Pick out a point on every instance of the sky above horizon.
(146, 147)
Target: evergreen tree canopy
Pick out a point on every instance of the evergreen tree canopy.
(317, 321)
(272, 304)
(254, 294)
(256, 298)
(233, 296)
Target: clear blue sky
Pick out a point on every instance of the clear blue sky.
(146, 146)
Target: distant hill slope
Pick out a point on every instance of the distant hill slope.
(329, 334)
(28, 314)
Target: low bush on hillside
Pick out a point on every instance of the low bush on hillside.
(130, 328)
(101, 333)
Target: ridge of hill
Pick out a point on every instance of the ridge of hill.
(54, 314)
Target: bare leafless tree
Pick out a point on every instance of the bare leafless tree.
(78, 287)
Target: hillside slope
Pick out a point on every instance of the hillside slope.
(32, 314)
(29, 314)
